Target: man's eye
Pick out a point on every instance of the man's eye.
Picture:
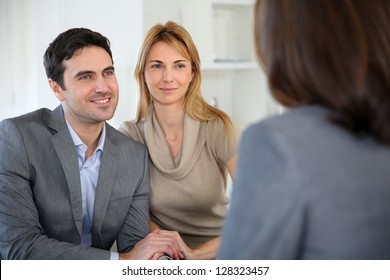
(109, 73)
(85, 77)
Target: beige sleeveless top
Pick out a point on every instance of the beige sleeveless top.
(188, 193)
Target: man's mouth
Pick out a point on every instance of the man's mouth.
(101, 101)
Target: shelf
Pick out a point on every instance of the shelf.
(233, 2)
(229, 40)
(230, 66)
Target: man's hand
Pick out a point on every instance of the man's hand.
(153, 246)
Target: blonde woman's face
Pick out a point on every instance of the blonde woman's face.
(167, 74)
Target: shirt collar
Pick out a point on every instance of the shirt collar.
(77, 141)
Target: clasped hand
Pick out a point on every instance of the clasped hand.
(156, 244)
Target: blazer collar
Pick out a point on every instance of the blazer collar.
(56, 119)
(64, 146)
(65, 149)
(105, 184)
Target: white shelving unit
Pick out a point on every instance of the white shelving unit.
(222, 31)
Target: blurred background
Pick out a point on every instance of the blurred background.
(221, 29)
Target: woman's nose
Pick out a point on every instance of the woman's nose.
(168, 76)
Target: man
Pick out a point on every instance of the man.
(70, 184)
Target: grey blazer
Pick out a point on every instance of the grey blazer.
(306, 188)
(40, 193)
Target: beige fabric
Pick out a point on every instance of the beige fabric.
(189, 192)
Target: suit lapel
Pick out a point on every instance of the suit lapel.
(106, 182)
(64, 146)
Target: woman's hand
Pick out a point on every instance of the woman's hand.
(187, 252)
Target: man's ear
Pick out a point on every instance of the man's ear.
(57, 90)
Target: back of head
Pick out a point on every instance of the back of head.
(329, 52)
(64, 46)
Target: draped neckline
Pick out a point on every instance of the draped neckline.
(194, 139)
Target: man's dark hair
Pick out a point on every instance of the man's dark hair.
(65, 45)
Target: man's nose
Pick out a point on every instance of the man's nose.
(101, 85)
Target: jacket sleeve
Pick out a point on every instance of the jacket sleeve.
(21, 234)
(136, 224)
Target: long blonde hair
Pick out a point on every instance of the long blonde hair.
(194, 104)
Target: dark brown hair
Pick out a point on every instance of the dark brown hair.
(333, 53)
(64, 47)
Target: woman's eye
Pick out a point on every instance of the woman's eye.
(156, 66)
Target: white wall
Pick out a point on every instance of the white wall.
(28, 26)
(16, 57)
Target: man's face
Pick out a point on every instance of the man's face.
(92, 91)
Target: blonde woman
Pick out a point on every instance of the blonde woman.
(191, 144)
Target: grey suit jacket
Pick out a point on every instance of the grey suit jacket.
(306, 188)
(40, 193)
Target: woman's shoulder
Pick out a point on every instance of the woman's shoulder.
(303, 128)
(214, 129)
(218, 129)
(213, 124)
(133, 129)
(290, 118)
(222, 142)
